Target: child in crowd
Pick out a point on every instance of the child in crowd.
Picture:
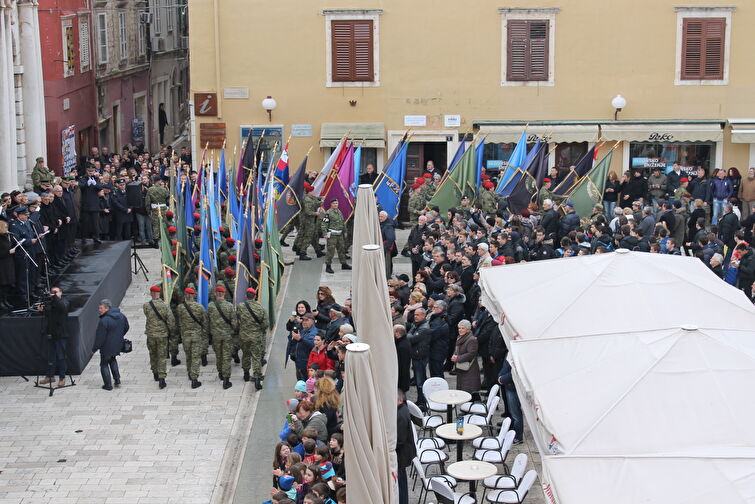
(324, 492)
(322, 454)
(336, 453)
(309, 451)
(282, 451)
(310, 383)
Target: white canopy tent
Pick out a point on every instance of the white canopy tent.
(593, 294)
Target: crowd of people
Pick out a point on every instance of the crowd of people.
(43, 224)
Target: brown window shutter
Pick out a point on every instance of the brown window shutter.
(538, 50)
(703, 48)
(527, 50)
(352, 51)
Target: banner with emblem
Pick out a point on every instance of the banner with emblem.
(527, 186)
(390, 183)
(69, 149)
(589, 190)
(289, 204)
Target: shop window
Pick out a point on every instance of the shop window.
(689, 155)
(569, 153)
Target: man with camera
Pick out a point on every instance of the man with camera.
(55, 309)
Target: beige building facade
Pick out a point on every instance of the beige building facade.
(444, 69)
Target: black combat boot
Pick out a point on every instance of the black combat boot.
(345, 266)
(162, 383)
(196, 384)
(246, 375)
(304, 257)
(174, 360)
(328, 269)
(319, 253)
(204, 359)
(235, 356)
(154, 375)
(258, 383)
(227, 384)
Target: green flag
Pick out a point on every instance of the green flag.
(589, 190)
(461, 182)
(169, 268)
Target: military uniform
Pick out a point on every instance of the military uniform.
(156, 201)
(252, 323)
(333, 227)
(416, 205)
(488, 201)
(427, 192)
(160, 325)
(308, 230)
(543, 195)
(223, 324)
(192, 321)
(40, 173)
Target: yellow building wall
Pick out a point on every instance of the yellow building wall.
(441, 57)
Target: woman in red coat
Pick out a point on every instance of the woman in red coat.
(319, 354)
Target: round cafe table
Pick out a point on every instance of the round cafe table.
(448, 431)
(451, 398)
(472, 471)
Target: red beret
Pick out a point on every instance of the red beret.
(219, 288)
(485, 176)
(230, 241)
(251, 290)
(229, 272)
(174, 242)
(684, 179)
(221, 229)
(222, 205)
(173, 253)
(189, 290)
(427, 176)
(308, 187)
(487, 184)
(258, 242)
(155, 288)
(196, 215)
(546, 179)
(415, 186)
(197, 228)
(256, 256)
(172, 230)
(232, 258)
(169, 214)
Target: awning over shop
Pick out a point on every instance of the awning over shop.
(742, 130)
(557, 133)
(664, 132)
(373, 134)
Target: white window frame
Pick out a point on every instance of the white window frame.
(123, 35)
(701, 12)
(102, 50)
(157, 16)
(352, 15)
(66, 22)
(142, 35)
(548, 14)
(85, 48)
(170, 20)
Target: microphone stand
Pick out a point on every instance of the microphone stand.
(44, 253)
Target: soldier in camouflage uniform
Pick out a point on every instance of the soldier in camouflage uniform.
(229, 283)
(158, 328)
(428, 188)
(192, 321)
(156, 202)
(223, 324)
(488, 200)
(252, 323)
(544, 193)
(308, 229)
(332, 228)
(416, 203)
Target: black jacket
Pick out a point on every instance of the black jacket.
(368, 178)
(404, 355)
(727, 226)
(57, 316)
(438, 337)
(550, 222)
(90, 202)
(112, 327)
(419, 335)
(406, 450)
(120, 207)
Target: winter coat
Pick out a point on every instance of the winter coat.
(419, 335)
(747, 266)
(699, 188)
(466, 351)
(727, 226)
(320, 358)
(404, 356)
(7, 266)
(680, 219)
(89, 188)
(747, 189)
(57, 316)
(303, 347)
(635, 189)
(455, 312)
(318, 421)
(721, 189)
(438, 338)
(322, 319)
(569, 222)
(112, 327)
(659, 180)
(406, 450)
(550, 222)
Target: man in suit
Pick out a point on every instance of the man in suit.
(121, 212)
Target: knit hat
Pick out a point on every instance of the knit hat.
(292, 404)
(326, 470)
(301, 386)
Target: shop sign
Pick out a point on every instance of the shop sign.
(206, 104)
(415, 120)
(660, 137)
(645, 162)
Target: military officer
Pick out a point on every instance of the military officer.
(27, 274)
(488, 200)
(308, 231)
(333, 227)
(545, 192)
(159, 327)
(39, 173)
(428, 188)
(223, 323)
(416, 202)
(156, 201)
(252, 323)
(192, 321)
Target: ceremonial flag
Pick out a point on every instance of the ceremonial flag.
(583, 166)
(221, 189)
(214, 214)
(324, 174)
(271, 264)
(289, 204)
(339, 187)
(455, 160)
(479, 151)
(516, 160)
(188, 220)
(589, 189)
(169, 268)
(206, 267)
(357, 168)
(246, 265)
(460, 183)
(390, 183)
(233, 213)
(527, 185)
(518, 173)
(281, 176)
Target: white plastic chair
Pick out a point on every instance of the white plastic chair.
(507, 481)
(428, 422)
(517, 495)
(431, 385)
(425, 490)
(446, 495)
(430, 456)
(497, 456)
(486, 420)
(490, 442)
(479, 407)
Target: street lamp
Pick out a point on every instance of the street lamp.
(269, 104)
(618, 102)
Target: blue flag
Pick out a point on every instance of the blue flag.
(516, 160)
(206, 268)
(357, 169)
(390, 183)
(221, 189)
(479, 151)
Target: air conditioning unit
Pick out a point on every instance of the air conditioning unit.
(145, 17)
(183, 43)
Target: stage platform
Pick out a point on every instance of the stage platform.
(96, 273)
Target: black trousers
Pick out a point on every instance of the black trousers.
(108, 365)
(90, 225)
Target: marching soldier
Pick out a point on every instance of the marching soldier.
(192, 321)
(333, 227)
(156, 201)
(308, 230)
(252, 323)
(222, 317)
(159, 327)
(229, 284)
